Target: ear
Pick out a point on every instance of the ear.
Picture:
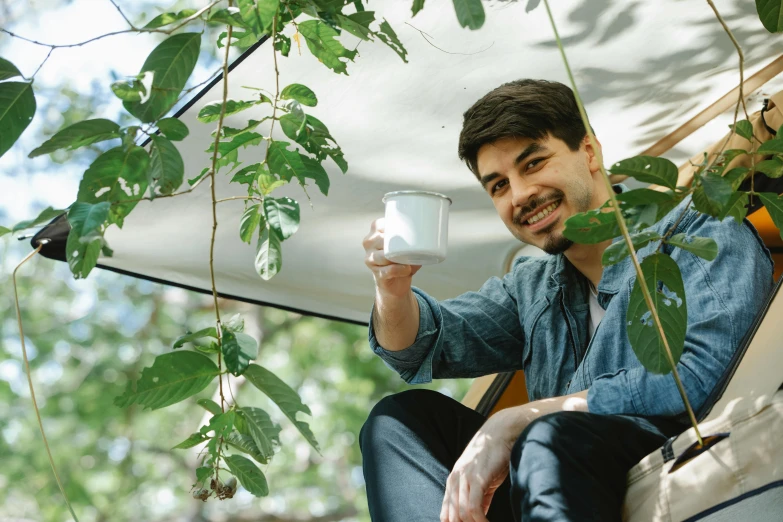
(593, 154)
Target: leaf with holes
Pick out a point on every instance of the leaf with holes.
(248, 475)
(85, 218)
(470, 13)
(300, 93)
(173, 129)
(79, 135)
(282, 214)
(242, 140)
(259, 426)
(8, 70)
(387, 35)
(771, 14)
(171, 63)
(249, 222)
(285, 163)
(284, 396)
(736, 208)
(169, 18)
(45, 215)
(238, 350)
(211, 111)
(664, 201)
(743, 128)
(269, 255)
(17, 108)
(316, 172)
(322, 42)
(664, 281)
(209, 332)
(173, 377)
(82, 253)
(593, 226)
(648, 169)
(131, 90)
(119, 176)
(704, 247)
(358, 24)
(618, 250)
(167, 169)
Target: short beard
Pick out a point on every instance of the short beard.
(556, 244)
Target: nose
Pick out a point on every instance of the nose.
(521, 191)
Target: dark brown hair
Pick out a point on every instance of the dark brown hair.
(522, 108)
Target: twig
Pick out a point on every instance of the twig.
(191, 189)
(42, 63)
(30, 378)
(233, 198)
(277, 88)
(624, 229)
(133, 29)
(115, 4)
(425, 35)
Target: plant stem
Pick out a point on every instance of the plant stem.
(624, 229)
(30, 378)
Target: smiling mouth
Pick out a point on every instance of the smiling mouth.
(543, 213)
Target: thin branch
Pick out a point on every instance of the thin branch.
(42, 63)
(116, 5)
(147, 198)
(30, 378)
(624, 229)
(133, 29)
(425, 35)
(277, 88)
(233, 198)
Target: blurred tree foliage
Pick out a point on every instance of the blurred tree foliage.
(87, 338)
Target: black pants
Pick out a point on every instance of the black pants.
(564, 466)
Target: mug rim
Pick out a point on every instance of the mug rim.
(389, 195)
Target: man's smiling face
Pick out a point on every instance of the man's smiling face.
(536, 185)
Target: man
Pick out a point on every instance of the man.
(594, 411)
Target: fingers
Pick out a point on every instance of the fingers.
(463, 500)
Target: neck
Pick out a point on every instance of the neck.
(587, 259)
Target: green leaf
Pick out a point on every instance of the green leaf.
(664, 201)
(194, 440)
(118, 176)
(358, 24)
(470, 13)
(282, 44)
(300, 93)
(229, 16)
(248, 475)
(203, 473)
(45, 215)
(210, 405)
(78, 135)
(593, 226)
(269, 255)
(228, 132)
(238, 350)
(173, 377)
(169, 18)
(246, 175)
(284, 396)
(772, 168)
(618, 250)
(285, 163)
(166, 168)
(249, 222)
(4, 231)
(664, 281)
(171, 63)
(773, 146)
(235, 323)
(85, 218)
(17, 108)
(211, 111)
(282, 215)
(258, 14)
(8, 70)
(743, 128)
(82, 253)
(316, 172)
(648, 169)
(736, 176)
(132, 90)
(241, 140)
(190, 337)
(239, 39)
(245, 444)
(267, 182)
(322, 42)
(292, 125)
(259, 426)
(736, 208)
(173, 129)
(417, 6)
(774, 205)
(771, 14)
(712, 195)
(194, 180)
(221, 423)
(387, 35)
(704, 247)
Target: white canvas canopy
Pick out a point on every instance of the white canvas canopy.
(644, 69)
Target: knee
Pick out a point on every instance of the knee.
(391, 414)
(548, 433)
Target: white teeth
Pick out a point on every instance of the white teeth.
(541, 215)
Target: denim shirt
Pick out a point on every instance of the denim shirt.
(536, 319)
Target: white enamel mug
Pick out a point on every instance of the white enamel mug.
(417, 227)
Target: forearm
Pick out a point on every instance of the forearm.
(516, 419)
(395, 320)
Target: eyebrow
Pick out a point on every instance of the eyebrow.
(530, 149)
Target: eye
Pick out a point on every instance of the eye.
(533, 163)
(497, 186)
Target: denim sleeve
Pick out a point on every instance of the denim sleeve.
(723, 297)
(477, 333)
